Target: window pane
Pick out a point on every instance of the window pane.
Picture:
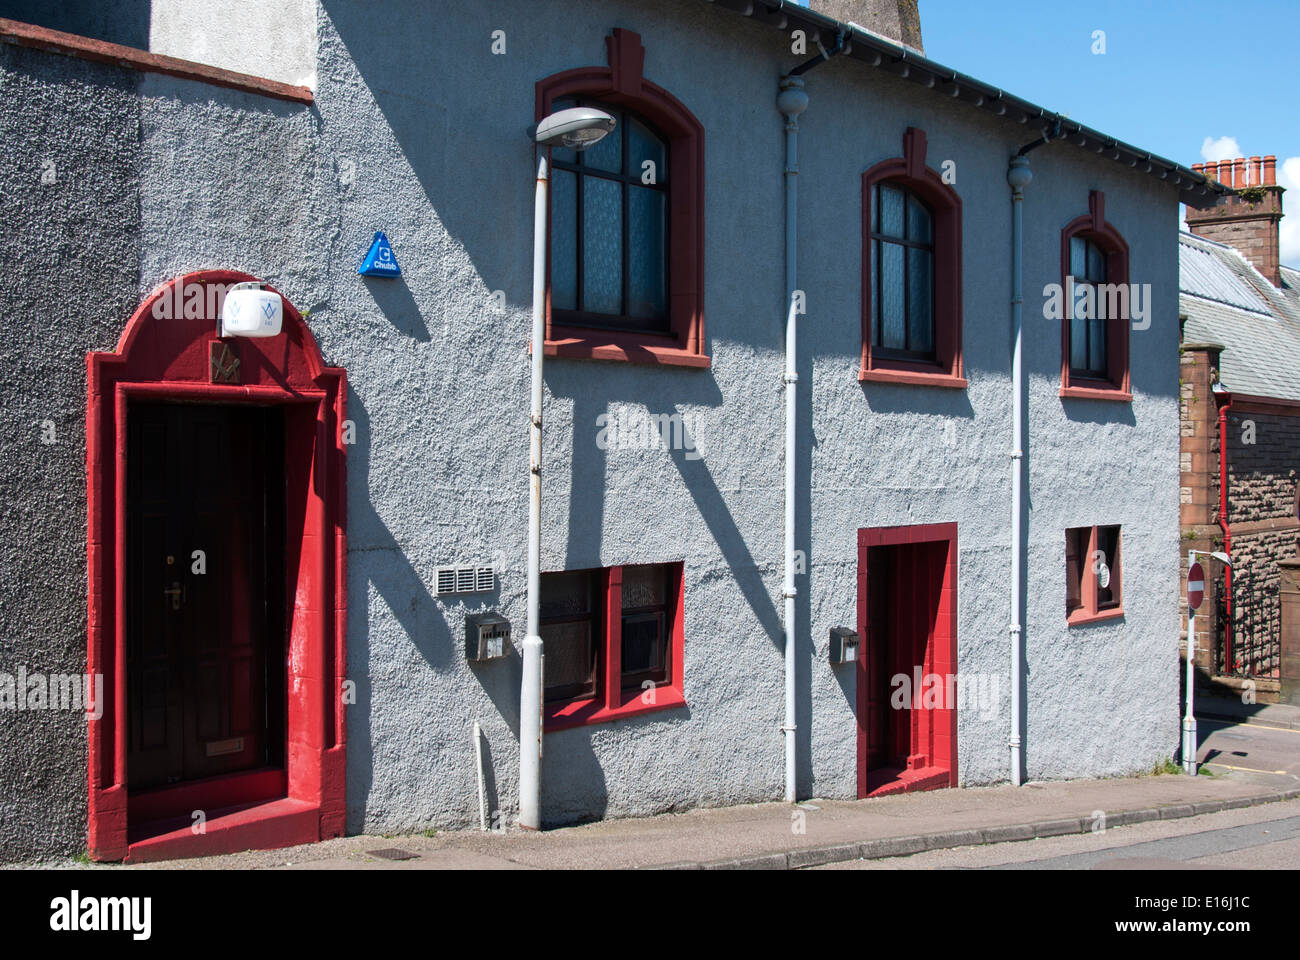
(891, 211)
(569, 655)
(602, 246)
(1097, 345)
(891, 296)
(642, 145)
(564, 240)
(1096, 264)
(607, 152)
(645, 252)
(1078, 258)
(918, 221)
(1079, 344)
(1108, 544)
(643, 642)
(643, 587)
(920, 315)
(1074, 569)
(875, 293)
(564, 595)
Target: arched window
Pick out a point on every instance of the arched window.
(1095, 321)
(911, 272)
(609, 215)
(627, 220)
(902, 274)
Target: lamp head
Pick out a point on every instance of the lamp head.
(576, 128)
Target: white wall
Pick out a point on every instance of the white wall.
(275, 39)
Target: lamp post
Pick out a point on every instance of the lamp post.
(1189, 718)
(576, 128)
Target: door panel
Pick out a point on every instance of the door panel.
(205, 649)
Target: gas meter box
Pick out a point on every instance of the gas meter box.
(487, 636)
(844, 645)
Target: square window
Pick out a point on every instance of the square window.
(1092, 574)
(612, 642)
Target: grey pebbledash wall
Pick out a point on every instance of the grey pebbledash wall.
(70, 243)
(417, 130)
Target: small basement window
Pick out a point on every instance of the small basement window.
(1092, 574)
(612, 641)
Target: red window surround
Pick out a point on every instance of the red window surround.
(910, 171)
(1093, 226)
(611, 701)
(169, 359)
(1086, 600)
(622, 84)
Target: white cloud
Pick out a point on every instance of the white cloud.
(1224, 148)
(1288, 175)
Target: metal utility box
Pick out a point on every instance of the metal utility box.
(487, 636)
(844, 645)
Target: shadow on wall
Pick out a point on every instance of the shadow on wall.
(117, 21)
(395, 302)
(592, 397)
(375, 558)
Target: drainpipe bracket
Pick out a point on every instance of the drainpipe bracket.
(790, 378)
(790, 593)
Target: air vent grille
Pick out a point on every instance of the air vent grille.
(467, 579)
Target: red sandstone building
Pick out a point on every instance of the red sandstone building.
(1240, 449)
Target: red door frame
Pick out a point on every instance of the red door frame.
(944, 663)
(163, 356)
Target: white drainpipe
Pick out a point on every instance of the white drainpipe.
(791, 101)
(1018, 176)
(530, 697)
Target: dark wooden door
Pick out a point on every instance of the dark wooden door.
(205, 627)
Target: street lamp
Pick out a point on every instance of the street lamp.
(1189, 718)
(576, 128)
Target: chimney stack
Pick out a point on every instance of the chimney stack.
(1247, 220)
(898, 20)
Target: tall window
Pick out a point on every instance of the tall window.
(612, 640)
(1088, 332)
(902, 274)
(1095, 323)
(609, 227)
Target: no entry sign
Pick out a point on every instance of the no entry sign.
(1195, 586)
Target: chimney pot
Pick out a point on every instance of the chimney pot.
(1253, 174)
(1270, 171)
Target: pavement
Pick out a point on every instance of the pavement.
(1249, 763)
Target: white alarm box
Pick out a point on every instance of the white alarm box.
(250, 310)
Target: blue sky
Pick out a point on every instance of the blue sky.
(1191, 80)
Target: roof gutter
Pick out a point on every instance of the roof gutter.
(1194, 189)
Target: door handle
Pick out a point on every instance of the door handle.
(177, 593)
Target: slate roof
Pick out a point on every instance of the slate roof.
(1225, 300)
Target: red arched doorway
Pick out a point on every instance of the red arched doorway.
(215, 486)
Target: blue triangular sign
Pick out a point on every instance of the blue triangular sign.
(379, 261)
